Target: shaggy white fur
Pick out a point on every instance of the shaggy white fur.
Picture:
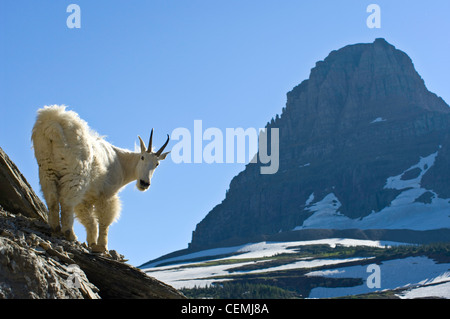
(82, 173)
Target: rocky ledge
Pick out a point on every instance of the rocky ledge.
(36, 264)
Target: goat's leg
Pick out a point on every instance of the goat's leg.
(102, 244)
(71, 195)
(49, 187)
(67, 217)
(106, 210)
(53, 216)
(85, 214)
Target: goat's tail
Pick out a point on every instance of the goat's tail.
(48, 130)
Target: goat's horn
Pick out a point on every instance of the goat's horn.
(163, 147)
(149, 150)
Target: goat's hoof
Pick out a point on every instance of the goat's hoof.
(70, 235)
(99, 248)
(56, 230)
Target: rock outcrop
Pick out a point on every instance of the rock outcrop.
(36, 264)
(16, 194)
(364, 115)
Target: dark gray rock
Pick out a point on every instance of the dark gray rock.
(16, 195)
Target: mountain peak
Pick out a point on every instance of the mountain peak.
(363, 116)
(364, 77)
(382, 41)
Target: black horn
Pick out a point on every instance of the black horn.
(163, 147)
(149, 149)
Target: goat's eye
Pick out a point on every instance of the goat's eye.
(157, 164)
(142, 157)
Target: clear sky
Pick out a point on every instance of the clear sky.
(134, 65)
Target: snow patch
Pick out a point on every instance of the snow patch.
(310, 199)
(325, 209)
(324, 273)
(404, 212)
(425, 163)
(377, 120)
(437, 287)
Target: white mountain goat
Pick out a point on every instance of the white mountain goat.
(81, 173)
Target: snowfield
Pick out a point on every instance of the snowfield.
(415, 277)
(191, 273)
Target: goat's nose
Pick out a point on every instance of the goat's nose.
(144, 184)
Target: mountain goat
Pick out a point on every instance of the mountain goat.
(82, 174)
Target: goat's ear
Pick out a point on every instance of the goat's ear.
(143, 148)
(163, 156)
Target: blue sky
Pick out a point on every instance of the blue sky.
(134, 65)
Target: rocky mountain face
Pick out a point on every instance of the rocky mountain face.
(363, 145)
(36, 264)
